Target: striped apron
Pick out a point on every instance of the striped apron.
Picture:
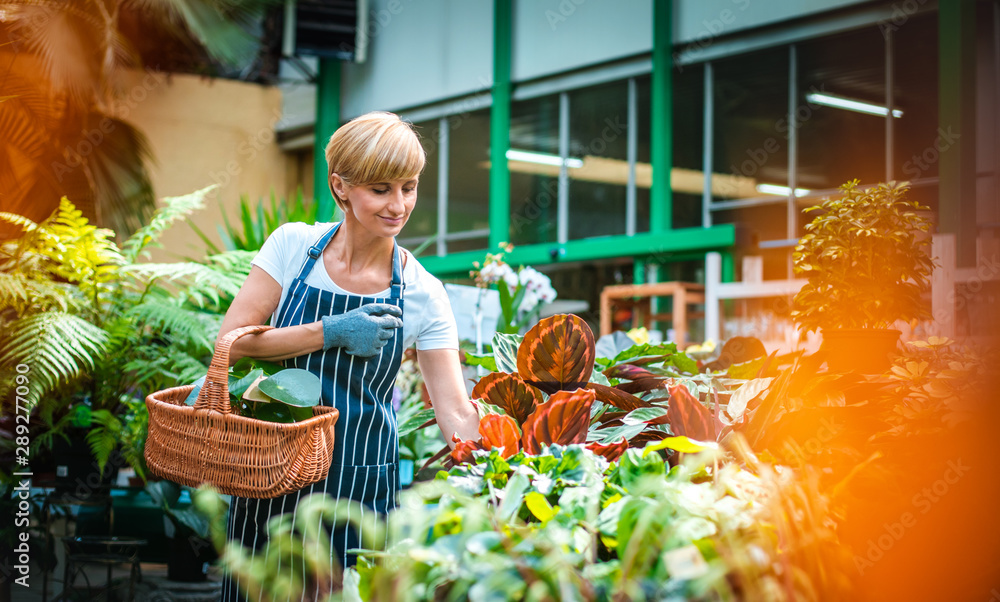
(366, 454)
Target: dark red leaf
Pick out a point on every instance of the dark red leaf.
(628, 371)
(688, 417)
(611, 451)
(500, 431)
(509, 393)
(563, 419)
(617, 398)
(462, 454)
(557, 354)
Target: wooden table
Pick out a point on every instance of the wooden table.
(639, 295)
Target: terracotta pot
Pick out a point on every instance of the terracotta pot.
(861, 350)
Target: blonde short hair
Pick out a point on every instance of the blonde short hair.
(375, 147)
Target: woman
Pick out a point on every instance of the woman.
(336, 293)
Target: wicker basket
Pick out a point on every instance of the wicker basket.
(208, 443)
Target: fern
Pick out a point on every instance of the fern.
(58, 347)
(167, 317)
(105, 431)
(174, 208)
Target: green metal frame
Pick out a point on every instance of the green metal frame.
(327, 122)
(499, 214)
(957, 117)
(661, 151)
(649, 246)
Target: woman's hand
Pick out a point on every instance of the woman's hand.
(455, 414)
(364, 330)
(257, 300)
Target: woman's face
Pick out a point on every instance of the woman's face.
(382, 208)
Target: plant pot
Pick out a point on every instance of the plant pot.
(861, 350)
(77, 473)
(190, 557)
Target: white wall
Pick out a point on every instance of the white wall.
(421, 51)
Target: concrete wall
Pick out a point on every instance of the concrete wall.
(420, 51)
(425, 51)
(202, 132)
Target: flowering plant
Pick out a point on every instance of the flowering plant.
(522, 292)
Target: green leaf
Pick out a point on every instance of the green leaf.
(485, 360)
(239, 386)
(643, 415)
(513, 495)
(681, 444)
(193, 395)
(415, 422)
(293, 386)
(539, 506)
(505, 348)
(275, 412)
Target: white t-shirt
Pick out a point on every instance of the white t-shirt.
(427, 316)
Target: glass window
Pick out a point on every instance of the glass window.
(688, 124)
(915, 75)
(423, 219)
(598, 147)
(468, 175)
(837, 144)
(534, 184)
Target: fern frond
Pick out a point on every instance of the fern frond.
(21, 293)
(58, 348)
(174, 208)
(105, 430)
(19, 220)
(166, 317)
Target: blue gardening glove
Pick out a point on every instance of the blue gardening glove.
(362, 331)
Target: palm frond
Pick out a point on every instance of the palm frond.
(117, 171)
(174, 208)
(224, 27)
(58, 347)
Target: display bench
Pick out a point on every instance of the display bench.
(638, 297)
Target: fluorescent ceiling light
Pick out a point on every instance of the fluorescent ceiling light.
(839, 102)
(781, 190)
(542, 158)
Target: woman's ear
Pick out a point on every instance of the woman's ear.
(339, 187)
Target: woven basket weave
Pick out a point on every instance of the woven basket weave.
(208, 443)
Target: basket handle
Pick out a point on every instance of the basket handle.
(214, 394)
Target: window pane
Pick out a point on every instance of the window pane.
(598, 131)
(423, 219)
(750, 125)
(534, 127)
(688, 124)
(915, 74)
(835, 144)
(468, 173)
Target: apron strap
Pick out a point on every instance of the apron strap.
(316, 251)
(397, 287)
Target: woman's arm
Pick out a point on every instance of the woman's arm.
(442, 373)
(257, 300)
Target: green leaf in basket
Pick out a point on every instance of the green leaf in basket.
(293, 386)
(193, 395)
(239, 386)
(274, 412)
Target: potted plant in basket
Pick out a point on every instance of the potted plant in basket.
(867, 262)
